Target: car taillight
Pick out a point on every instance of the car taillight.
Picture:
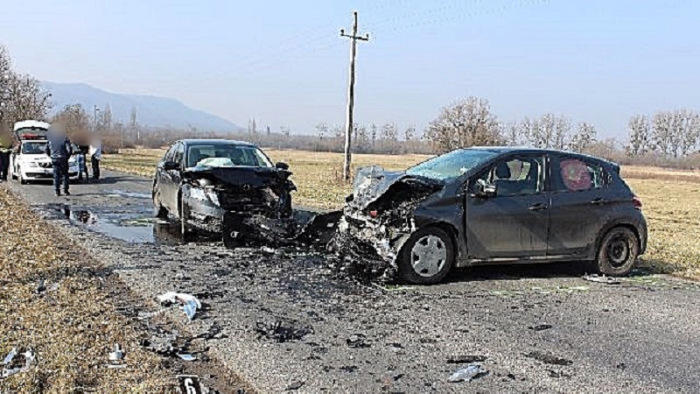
(373, 214)
(637, 202)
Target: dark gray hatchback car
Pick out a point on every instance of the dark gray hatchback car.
(493, 206)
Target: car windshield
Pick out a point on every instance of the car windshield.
(226, 155)
(451, 165)
(33, 148)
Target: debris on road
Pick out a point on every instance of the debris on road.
(540, 327)
(117, 354)
(186, 356)
(13, 364)
(279, 333)
(465, 359)
(295, 385)
(357, 341)
(467, 373)
(548, 358)
(608, 280)
(189, 303)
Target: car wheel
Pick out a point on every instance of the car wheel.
(427, 257)
(617, 252)
(159, 210)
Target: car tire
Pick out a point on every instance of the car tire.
(435, 247)
(617, 252)
(158, 209)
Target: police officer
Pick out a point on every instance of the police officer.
(59, 148)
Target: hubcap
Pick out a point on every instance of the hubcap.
(428, 256)
(618, 251)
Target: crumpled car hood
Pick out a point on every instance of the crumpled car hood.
(371, 183)
(255, 177)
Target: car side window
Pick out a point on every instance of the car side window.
(575, 175)
(515, 176)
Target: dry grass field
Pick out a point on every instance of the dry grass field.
(671, 198)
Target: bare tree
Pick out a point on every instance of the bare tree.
(25, 99)
(373, 134)
(640, 135)
(662, 132)
(321, 130)
(511, 133)
(410, 133)
(464, 123)
(134, 127)
(584, 138)
(691, 131)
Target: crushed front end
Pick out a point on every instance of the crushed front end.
(212, 193)
(378, 219)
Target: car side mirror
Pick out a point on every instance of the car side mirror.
(282, 166)
(481, 190)
(171, 165)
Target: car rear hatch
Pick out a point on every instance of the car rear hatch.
(31, 130)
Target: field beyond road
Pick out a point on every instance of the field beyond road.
(671, 198)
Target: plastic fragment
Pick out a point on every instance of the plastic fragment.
(117, 354)
(188, 302)
(186, 356)
(608, 280)
(466, 374)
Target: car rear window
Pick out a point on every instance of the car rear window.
(579, 175)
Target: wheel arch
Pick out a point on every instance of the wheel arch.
(610, 227)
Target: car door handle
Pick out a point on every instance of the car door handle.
(598, 201)
(538, 207)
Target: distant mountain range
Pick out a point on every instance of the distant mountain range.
(152, 111)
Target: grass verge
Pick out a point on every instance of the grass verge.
(72, 325)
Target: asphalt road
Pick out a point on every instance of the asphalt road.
(642, 335)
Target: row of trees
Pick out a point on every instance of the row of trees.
(21, 95)
(470, 122)
(667, 133)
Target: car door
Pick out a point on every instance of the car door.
(580, 199)
(513, 223)
(172, 178)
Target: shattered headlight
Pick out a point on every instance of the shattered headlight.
(204, 194)
(213, 197)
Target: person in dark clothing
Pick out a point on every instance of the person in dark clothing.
(96, 157)
(82, 162)
(59, 148)
(5, 149)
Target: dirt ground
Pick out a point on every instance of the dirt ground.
(289, 321)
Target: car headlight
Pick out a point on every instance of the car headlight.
(31, 164)
(72, 162)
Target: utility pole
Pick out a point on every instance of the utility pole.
(351, 93)
(95, 109)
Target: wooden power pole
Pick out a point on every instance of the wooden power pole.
(351, 93)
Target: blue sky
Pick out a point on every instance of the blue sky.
(283, 63)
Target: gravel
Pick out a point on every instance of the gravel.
(290, 321)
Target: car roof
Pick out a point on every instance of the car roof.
(197, 141)
(31, 124)
(525, 149)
